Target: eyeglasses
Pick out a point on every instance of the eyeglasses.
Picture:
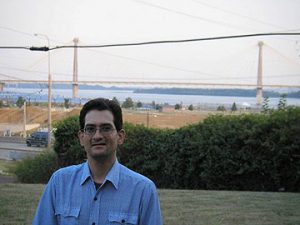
(104, 130)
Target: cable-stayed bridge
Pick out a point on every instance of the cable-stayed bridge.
(149, 83)
(259, 85)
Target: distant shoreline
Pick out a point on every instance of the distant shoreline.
(211, 101)
(215, 92)
(232, 92)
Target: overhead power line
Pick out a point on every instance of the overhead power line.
(45, 48)
(220, 23)
(11, 77)
(238, 14)
(14, 47)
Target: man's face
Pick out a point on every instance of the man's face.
(100, 138)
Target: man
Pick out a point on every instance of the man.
(100, 191)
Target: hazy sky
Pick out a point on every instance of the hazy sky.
(98, 22)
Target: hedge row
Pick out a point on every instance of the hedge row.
(258, 152)
(246, 152)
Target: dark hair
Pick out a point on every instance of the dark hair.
(102, 104)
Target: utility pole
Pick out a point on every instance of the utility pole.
(49, 84)
(259, 88)
(24, 120)
(1, 86)
(148, 119)
(75, 69)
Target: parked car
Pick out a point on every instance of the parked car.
(39, 138)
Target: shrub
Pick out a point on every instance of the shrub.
(252, 152)
(143, 150)
(67, 144)
(38, 169)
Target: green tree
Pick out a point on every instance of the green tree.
(139, 104)
(282, 102)
(191, 107)
(221, 108)
(67, 103)
(265, 105)
(116, 100)
(20, 102)
(233, 107)
(178, 106)
(128, 103)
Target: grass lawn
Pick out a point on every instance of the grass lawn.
(187, 207)
(179, 207)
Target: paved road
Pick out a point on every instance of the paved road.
(17, 151)
(18, 146)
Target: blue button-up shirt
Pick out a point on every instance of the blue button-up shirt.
(125, 197)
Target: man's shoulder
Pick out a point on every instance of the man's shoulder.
(69, 170)
(135, 177)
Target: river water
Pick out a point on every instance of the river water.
(58, 96)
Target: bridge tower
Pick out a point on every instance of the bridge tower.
(75, 69)
(259, 88)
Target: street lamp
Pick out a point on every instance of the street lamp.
(49, 90)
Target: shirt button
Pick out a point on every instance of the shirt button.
(95, 199)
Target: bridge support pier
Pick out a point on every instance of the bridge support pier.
(2, 86)
(259, 88)
(75, 70)
(75, 90)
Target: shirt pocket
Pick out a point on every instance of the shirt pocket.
(122, 218)
(68, 216)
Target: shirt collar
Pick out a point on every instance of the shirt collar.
(112, 176)
(85, 173)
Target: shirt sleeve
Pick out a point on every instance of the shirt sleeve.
(45, 213)
(150, 207)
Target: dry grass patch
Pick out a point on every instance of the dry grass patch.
(173, 119)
